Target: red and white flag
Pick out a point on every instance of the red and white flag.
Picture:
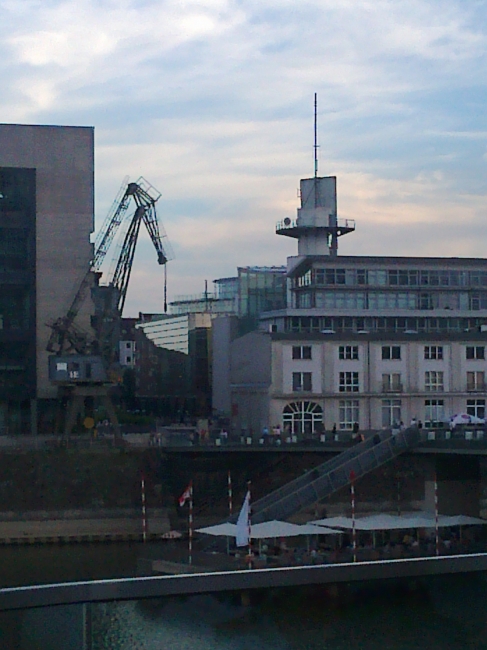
(186, 495)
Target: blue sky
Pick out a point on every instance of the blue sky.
(212, 101)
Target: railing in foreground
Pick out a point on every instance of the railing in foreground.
(169, 585)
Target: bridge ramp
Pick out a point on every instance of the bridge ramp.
(333, 475)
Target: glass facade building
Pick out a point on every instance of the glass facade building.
(17, 297)
(255, 290)
(260, 289)
(384, 294)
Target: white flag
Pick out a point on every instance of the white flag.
(243, 522)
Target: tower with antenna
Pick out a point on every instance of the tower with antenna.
(317, 226)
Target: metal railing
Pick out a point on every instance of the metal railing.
(287, 224)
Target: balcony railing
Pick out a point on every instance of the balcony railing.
(288, 224)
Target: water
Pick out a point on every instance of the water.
(433, 614)
(28, 565)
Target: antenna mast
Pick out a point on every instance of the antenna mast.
(316, 136)
(315, 147)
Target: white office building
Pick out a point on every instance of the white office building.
(374, 341)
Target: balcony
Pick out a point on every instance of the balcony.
(293, 228)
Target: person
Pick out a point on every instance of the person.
(420, 424)
(224, 435)
(414, 422)
(355, 432)
(376, 439)
(277, 435)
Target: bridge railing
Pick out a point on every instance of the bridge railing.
(333, 475)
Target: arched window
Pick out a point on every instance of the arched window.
(302, 417)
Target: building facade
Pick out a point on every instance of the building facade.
(364, 341)
(46, 220)
(256, 289)
(309, 382)
(383, 294)
(180, 346)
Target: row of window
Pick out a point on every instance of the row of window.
(392, 277)
(375, 300)
(307, 417)
(381, 324)
(391, 382)
(390, 352)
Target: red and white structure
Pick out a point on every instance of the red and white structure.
(144, 509)
(354, 530)
(187, 495)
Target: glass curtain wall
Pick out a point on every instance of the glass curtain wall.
(17, 298)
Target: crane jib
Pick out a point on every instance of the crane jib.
(65, 335)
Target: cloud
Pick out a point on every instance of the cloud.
(211, 101)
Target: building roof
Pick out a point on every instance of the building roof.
(379, 260)
(385, 337)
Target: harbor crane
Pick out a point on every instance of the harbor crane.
(80, 362)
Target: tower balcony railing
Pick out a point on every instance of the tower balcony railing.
(289, 224)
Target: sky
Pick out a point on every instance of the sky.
(212, 102)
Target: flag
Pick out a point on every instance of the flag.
(243, 522)
(186, 495)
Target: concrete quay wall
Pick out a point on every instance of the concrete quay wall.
(74, 486)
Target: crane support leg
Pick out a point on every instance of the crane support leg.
(75, 400)
(74, 408)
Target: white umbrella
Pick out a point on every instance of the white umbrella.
(334, 522)
(465, 418)
(275, 528)
(225, 530)
(445, 521)
(268, 529)
(172, 534)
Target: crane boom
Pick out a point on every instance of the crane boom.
(64, 334)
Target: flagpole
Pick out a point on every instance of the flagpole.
(354, 531)
(190, 524)
(250, 527)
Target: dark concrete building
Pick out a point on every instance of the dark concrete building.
(46, 219)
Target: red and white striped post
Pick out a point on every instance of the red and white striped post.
(354, 531)
(230, 494)
(437, 528)
(250, 527)
(144, 509)
(190, 524)
(230, 505)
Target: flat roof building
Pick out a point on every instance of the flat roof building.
(364, 341)
(46, 220)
